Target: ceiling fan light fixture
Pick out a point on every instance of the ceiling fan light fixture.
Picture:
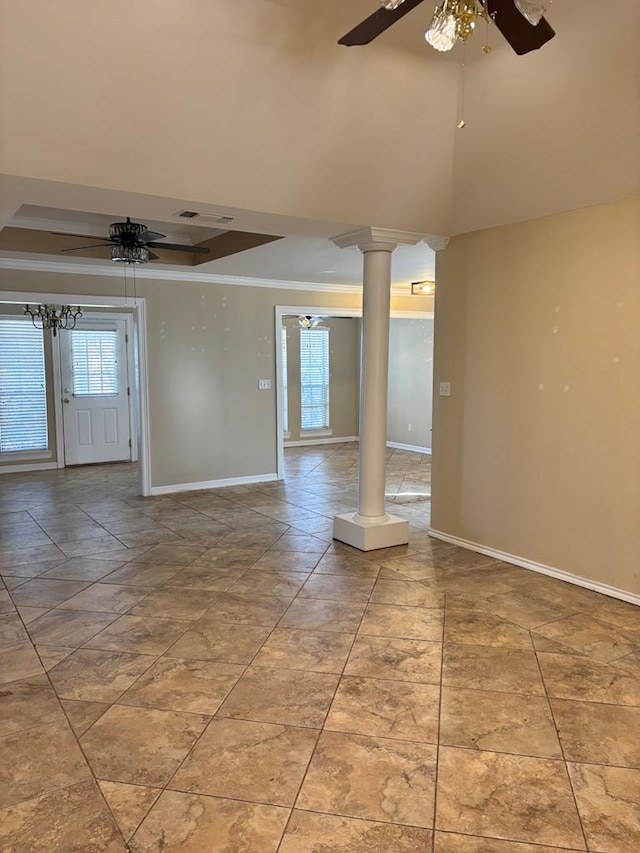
(533, 10)
(130, 254)
(442, 33)
(306, 321)
(391, 4)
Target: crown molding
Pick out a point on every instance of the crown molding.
(171, 275)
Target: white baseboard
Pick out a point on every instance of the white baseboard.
(415, 448)
(34, 466)
(541, 568)
(309, 442)
(212, 484)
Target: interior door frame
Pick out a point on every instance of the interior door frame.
(137, 313)
(285, 310)
(132, 403)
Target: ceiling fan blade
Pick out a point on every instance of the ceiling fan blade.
(153, 256)
(174, 247)
(521, 35)
(82, 248)
(149, 236)
(83, 236)
(376, 24)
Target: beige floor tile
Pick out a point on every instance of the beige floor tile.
(591, 637)
(395, 709)
(317, 833)
(338, 588)
(28, 703)
(478, 628)
(82, 715)
(245, 760)
(287, 697)
(446, 842)
(349, 565)
(282, 584)
(39, 760)
(14, 582)
(171, 602)
(140, 745)
(500, 722)
(129, 804)
(620, 613)
(573, 677)
(229, 558)
(511, 797)
(286, 561)
(171, 554)
(144, 635)
(598, 734)
(206, 578)
(372, 778)
(12, 631)
(542, 644)
(609, 804)
(315, 651)
(105, 598)
(51, 656)
(192, 686)
(41, 592)
(410, 593)
(412, 623)
(630, 664)
(297, 542)
(97, 676)
(315, 614)
(6, 604)
(73, 819)
(220, 641)
(487, 668)
(142, 574)
(525, 609)
(189, 823)
(396, 659)
(30, 614)
(69, 628)
(238, 608)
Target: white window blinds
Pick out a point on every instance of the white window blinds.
(23, 400)
(94, 362)
(314, 379)
(285, 383)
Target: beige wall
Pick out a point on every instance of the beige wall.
(537, 451)
(410, 382)
(344, 390)
(208, 345)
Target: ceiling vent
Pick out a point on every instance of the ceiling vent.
(205, 217)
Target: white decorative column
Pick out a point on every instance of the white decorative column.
(371, 527)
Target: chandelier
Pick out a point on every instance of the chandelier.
(53, 317)
(306, 321)
(130, 253)
(455, 20)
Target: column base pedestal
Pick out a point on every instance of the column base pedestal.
(354, 531)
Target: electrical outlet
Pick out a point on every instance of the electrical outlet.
(408, 427)
(445, 389)
(264, 384)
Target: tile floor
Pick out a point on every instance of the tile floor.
(210, 672)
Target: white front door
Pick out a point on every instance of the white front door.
(95, 392)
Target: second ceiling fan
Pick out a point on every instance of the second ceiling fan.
(521, 22)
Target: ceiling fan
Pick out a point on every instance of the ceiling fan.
(521, 22)
(131, 243)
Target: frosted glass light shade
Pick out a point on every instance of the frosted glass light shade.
(533, 10)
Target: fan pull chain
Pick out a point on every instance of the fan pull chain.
(461, 122)
(486, 47)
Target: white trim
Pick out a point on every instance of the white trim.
(138, 309)
(213, 484)
(415, 448)
(540, 568)
(313, 441)
(317, 433)
(25, 455)
(20, 469)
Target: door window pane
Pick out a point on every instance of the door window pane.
(94, 362)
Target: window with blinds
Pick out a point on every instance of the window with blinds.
(94, 362)
(285, 382)
(314, 379)
(23, 392)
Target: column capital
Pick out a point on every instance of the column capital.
(383, 239)
(436, 242)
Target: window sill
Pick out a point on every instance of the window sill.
(25, 455)
(312, 433)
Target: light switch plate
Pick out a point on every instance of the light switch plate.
(445, 389)
(264, 384)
